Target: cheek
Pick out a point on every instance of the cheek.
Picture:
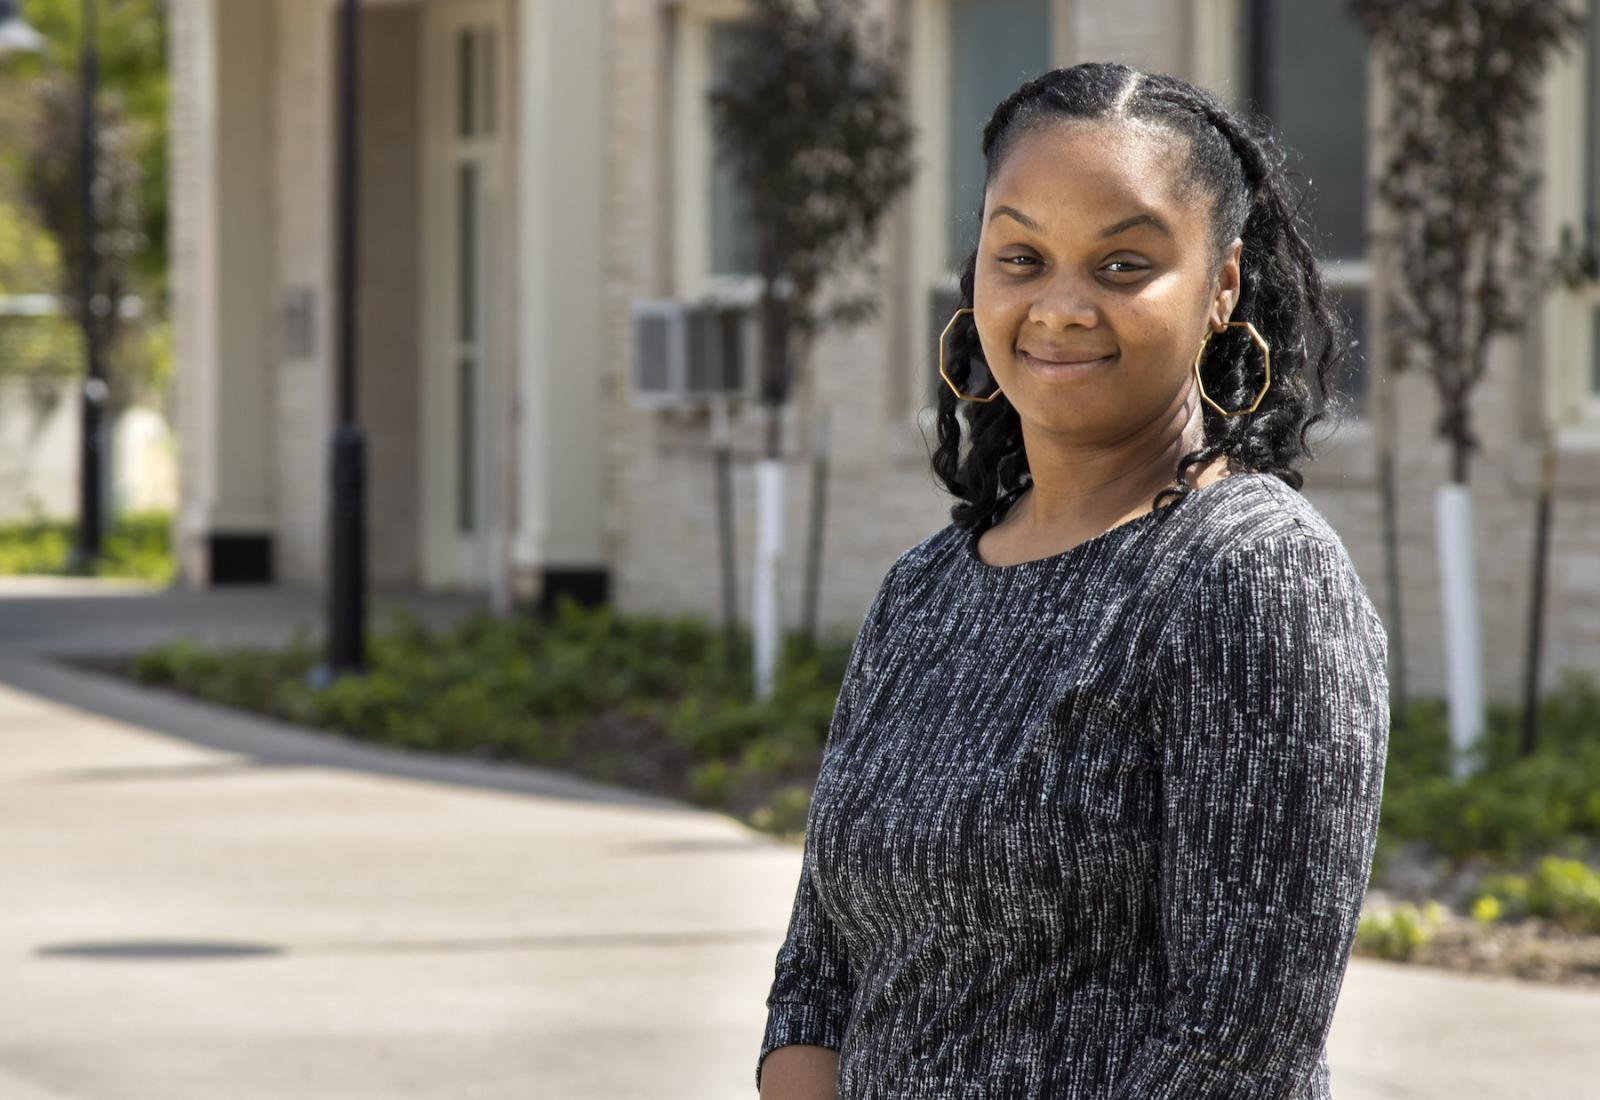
(1143, 327)
(998, 315)
(994, 298)
(1156, 324)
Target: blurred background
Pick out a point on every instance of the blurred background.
(448, 446)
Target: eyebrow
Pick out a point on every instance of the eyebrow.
(1110, 230)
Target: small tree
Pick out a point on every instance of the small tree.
(814, 128)
(40, 162)
(132, 51)
(1458, 181)
(51, 184)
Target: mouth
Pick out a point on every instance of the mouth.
(1058, 368)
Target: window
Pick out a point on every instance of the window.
(1569, 168)
(968, 55)
(732, 239)
(475, 125)
(995, 45)
(1591, 184)
(1306, 68)
(712, 245)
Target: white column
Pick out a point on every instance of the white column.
(561, 241)
(223, 289)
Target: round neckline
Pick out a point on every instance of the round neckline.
(970, 537)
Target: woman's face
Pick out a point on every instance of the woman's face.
(1093, 286)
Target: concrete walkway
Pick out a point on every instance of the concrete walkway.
(200, 904)
(68, 615)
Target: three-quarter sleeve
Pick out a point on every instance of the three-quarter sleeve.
(1270, 694)
(809, 1000)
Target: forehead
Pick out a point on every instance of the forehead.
(1070, 173)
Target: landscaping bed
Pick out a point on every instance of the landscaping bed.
(1494, 874)
(137, 546)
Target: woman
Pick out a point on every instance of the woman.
(1098, 803)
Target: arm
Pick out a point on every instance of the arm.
(809, 1000)
(1271, 694)
(802, 1073)
(808, 1004)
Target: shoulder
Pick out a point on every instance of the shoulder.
(932, 557)
(1250, 547)
(1244, 514)
(1274, 526)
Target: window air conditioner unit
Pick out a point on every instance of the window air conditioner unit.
(684, 354)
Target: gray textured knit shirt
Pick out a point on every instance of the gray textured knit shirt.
(1097, 825)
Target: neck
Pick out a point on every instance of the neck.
(1077, 486)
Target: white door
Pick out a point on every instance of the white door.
(462, 301)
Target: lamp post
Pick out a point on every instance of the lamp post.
(347, 573)
(95, 391)
(17, 36)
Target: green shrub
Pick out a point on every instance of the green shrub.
(1512, 807)
(1487, 910)
(1397, 934)
(137, 546)
(784, 813)
(711, 782)
(1508, 893)
(587, 682)
(1564, 891)
(612, 697)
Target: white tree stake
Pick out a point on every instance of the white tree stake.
(766, 616)
(1459, 590)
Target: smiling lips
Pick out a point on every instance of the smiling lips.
(1064, 358)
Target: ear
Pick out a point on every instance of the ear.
(1226, 287)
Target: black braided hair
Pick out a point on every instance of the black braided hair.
(1237, 164)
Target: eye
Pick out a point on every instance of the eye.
(1129, 265)
(1011, 261)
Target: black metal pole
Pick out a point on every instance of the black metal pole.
(1399, 693)
(1541, 554)
(347, 569)
(722, 450)
(814, 530)
(91, 501)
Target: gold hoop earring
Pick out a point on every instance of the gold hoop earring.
(982, 400)
(1266, 360)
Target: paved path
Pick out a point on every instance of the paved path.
(66, 615)
(199, 904)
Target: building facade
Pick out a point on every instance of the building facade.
(477, 378)
(533, 170)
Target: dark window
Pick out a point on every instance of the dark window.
(1594, 352)
(995, 45)
(467, 237)
(1591, 184)
(732, 239)
(1305, 66)
(466, 82)
(466, 445)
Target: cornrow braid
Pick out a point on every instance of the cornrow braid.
(1237, 165)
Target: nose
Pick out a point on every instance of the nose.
(1063, 300)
